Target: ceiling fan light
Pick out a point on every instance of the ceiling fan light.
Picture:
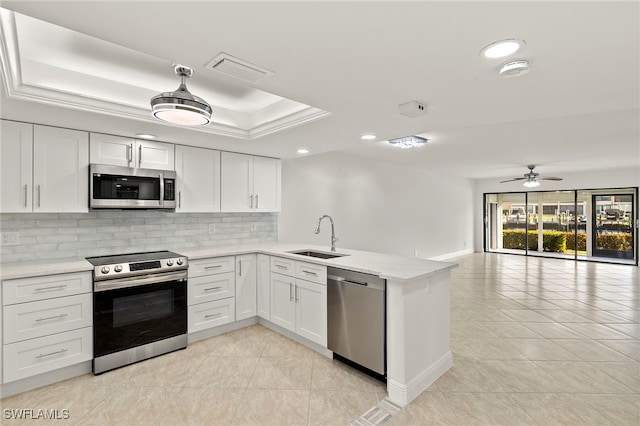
(531, 183)
(181, 107)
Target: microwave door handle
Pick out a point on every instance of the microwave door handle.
(161, 188)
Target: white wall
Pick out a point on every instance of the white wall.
(617, 178)
(376, 206)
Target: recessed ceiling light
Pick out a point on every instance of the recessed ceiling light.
(145, 136)
(368, 137)
(408, 142)
(502, 48)
(303, 151)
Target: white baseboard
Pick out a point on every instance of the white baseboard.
(215, 331)
(448, 256)
(403, 394)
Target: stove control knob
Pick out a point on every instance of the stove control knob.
(180, 261)
(118, 268)
(105, 270)
(170, 262)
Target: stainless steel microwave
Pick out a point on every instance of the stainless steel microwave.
(115, 187)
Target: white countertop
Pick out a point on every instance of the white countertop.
(38, 268)
(397, 268)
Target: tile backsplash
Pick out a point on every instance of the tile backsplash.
(44, 236)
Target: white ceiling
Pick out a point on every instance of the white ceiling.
(578, 108)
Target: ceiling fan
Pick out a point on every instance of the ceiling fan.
(531, 179)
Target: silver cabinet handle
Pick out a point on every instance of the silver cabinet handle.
(211, 288)
(256, 201)
(213, 267)
(310, 273)
(290, 292)
(281, 266)
(38, 195)
(297, 299)
(251, 201)
(179, 199)
(53, 287)
(50, 318)
(25, 194)
(61, 351)
(139, 155)
(129, 153)
(212, 315)
(240, 268)
(161, 176)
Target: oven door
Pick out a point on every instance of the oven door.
(128, 314)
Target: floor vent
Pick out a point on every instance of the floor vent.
(379, 414)
(234, 67)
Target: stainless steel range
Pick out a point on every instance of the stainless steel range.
(139, 307)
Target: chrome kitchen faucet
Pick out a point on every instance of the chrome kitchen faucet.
(333, 231)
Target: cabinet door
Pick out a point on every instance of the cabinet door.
(236, 179)
(266, 184)
(198, 183)
(283, 308)
(245, 286)
(111, 150)
(16, 159)
(311, 311)
(263, 286)
(60, 170)
(155, 155)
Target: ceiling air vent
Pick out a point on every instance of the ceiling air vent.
(243, 70)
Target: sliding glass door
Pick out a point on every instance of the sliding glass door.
(599, 225)
(613, 226)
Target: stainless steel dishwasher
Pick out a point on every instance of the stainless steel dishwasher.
(356, 315)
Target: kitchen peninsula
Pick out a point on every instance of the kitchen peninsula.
(417, 305)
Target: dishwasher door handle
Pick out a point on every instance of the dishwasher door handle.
(344, 280)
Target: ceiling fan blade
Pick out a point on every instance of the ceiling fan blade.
(512, 180)
(550, 178)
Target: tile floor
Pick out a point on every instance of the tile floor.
(535, 341)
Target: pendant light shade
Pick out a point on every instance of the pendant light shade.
(181, 107)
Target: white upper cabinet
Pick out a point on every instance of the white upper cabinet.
(250, 184)
(198, 185)
(44, 169)
(121, 151)
(266, 184)
(16, 160)
(60, 170)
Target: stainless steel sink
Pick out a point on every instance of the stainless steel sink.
(318, 254)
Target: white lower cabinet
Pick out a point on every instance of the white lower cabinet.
(311, 311)
(300, 305)
(245, 286)
(46, 324)
(263, 286)
(211, 293)
(211, 314)
(36, 356)
(283, 308)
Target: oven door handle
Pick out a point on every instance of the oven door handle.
(138, 281)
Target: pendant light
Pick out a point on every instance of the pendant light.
(181, 107)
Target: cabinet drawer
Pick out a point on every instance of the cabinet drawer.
(211, 287)
(46, 287)
(283, 265)
(37, 356)
(311, 272)
(211, 314)
(37, 319)
(215, 265)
